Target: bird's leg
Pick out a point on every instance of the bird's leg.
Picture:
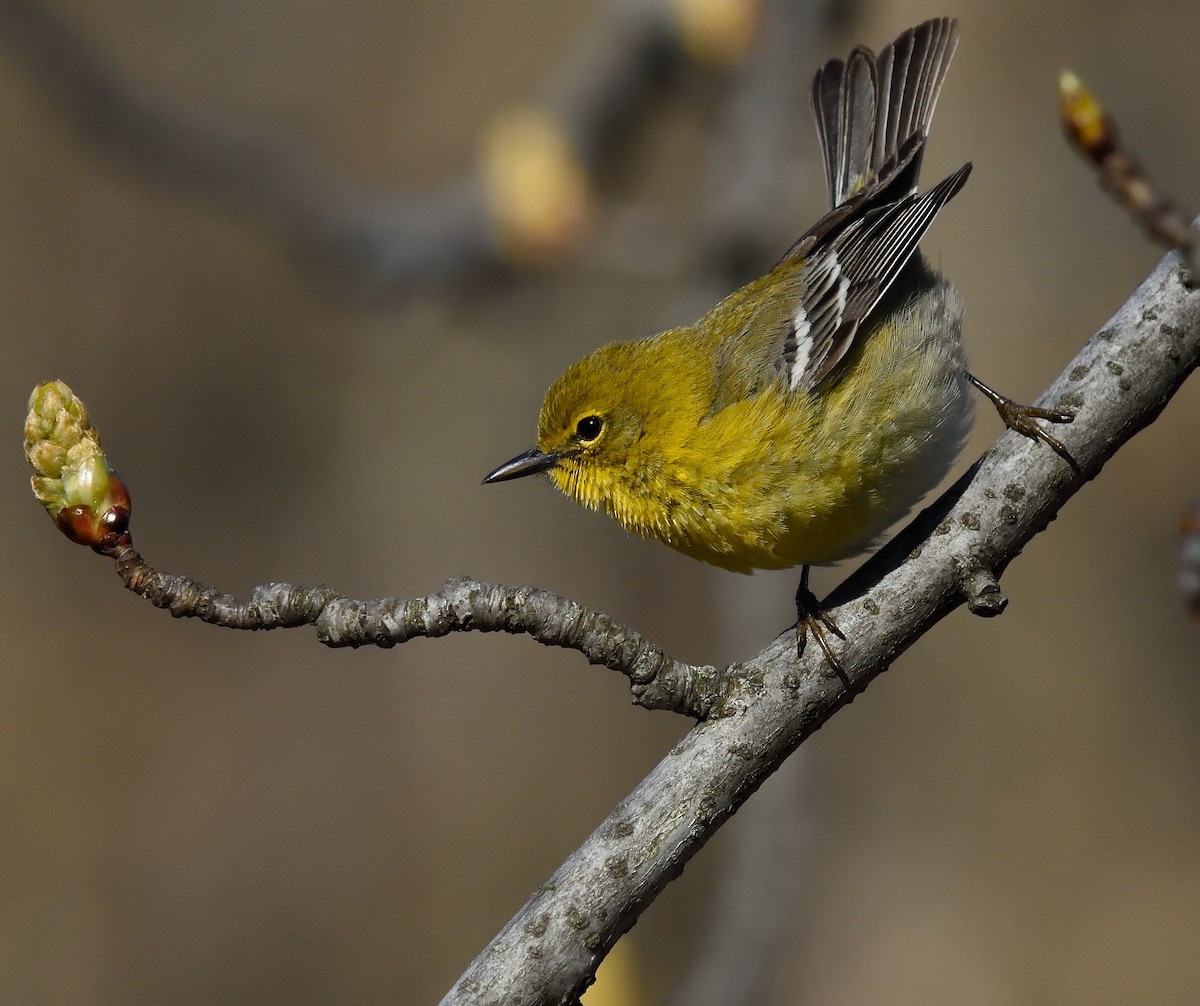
(811, 616)
(1021, 419)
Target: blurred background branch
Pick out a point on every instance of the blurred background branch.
(523, 201)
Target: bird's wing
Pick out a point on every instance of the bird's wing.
(847, 267)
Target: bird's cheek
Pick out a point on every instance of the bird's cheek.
(565, 476)
(581, 483)
(560, 476)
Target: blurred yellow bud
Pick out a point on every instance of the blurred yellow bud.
(716, 32)
(1082, 117)
(617, 980)
(535, 185)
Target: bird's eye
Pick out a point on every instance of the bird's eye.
(589, 428)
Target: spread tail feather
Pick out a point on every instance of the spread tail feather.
(869, 106)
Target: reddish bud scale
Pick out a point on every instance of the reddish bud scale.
(84, 527)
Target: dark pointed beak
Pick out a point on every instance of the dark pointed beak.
(531, 462)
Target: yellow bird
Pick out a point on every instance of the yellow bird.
(812, 408)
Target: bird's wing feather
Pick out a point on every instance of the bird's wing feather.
(845, 275)
(873, 115)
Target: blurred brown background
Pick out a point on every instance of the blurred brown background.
(196, 816)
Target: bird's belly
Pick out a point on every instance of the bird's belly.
(791, 502)
(812, 519)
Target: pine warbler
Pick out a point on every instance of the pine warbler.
(814, 407)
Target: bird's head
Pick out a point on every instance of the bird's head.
(596, 430)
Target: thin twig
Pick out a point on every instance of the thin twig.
(463, 605)
(1094, 134)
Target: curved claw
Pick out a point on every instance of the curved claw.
(1021, 419)
(811, 617)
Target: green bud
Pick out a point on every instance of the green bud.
(87, 483)
(72, 478)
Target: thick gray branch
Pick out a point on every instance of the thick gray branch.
(1118, 384)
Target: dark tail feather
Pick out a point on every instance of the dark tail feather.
(868, 106)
